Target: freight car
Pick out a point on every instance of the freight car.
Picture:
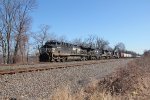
(60, 51)
(125, 55)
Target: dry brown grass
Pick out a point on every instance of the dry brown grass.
(62, 94)
(129, 83)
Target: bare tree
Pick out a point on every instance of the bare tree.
(119, 47)
(78, 41)
(62, 38)
(23, 47)
(42, 36)
(90, 41)
(3, 48)
(22, 24)
(101, 43)
(7, 13)
(0, 41)
(28, 50)
(14, 20)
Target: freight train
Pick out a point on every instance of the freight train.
(61, 51)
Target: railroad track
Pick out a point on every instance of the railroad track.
(47, 67)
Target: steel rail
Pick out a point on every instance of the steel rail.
(48, 67)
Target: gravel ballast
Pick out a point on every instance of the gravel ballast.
(41, 84)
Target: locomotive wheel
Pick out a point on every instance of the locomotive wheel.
(83, 59)
(52, 59)
(63, 59)
(86, 58)
(57, 59)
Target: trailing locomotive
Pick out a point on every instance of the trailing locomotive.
(60, 51)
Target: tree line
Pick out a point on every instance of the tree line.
(15, 22)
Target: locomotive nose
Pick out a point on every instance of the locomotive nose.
(44, 57)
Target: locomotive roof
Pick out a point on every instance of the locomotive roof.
(51, 43)
(88, 48)
(60, 43)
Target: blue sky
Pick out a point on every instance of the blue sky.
(126, 21)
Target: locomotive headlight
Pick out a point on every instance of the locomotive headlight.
(53, 49)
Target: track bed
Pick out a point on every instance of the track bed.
(12, 69)
(39, 85)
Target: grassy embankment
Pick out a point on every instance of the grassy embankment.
(131, 82)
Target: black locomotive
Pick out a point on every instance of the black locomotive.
(60, 51)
